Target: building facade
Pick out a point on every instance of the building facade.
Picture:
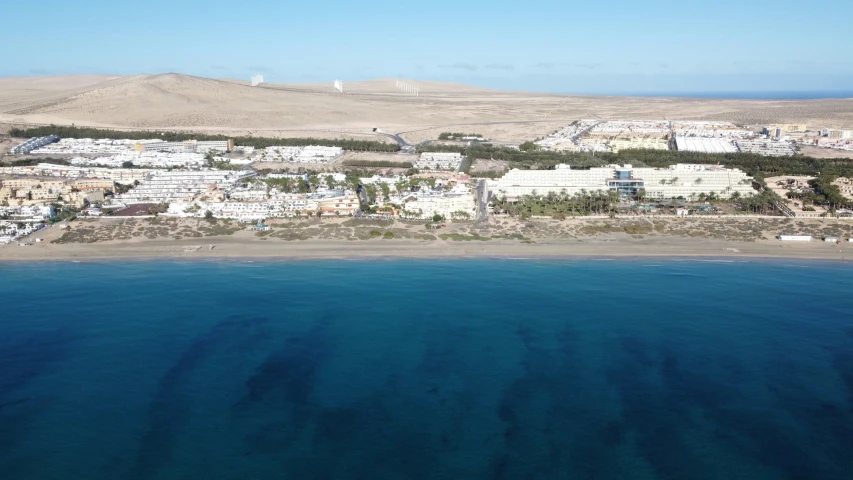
(682, 180)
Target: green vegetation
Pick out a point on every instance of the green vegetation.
(375, 233)
(754, 165)
(510, 236)
(63, 213)
(459, 237)
(378, 164)
(27, 162)
(388, 235)
(825, 193)
(287, 185)
(365, 222)
(465, 167)
(561, 205)
(257, 142)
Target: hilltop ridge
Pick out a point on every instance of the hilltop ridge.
(179, 101)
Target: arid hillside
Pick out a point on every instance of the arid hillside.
(175, 101)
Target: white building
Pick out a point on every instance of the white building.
(188, 146)
(682, 180)
(439, 161)
(795, 238)
(447, 204)
(306, 154)
(120, 175)
(703, 144)
(145, 159)
(182, 186)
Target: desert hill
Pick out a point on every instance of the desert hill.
(176, 101)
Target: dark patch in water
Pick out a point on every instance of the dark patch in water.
(842, 360)
(282, 385)
(14, 403)
(540, 414)
(267, 440)
(21, 363)
(169, 411)
(26, 360)
(15, 422)
(286, 377)
(650, 412)
(800, 450)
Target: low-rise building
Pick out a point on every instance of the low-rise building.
(458, 203)
(34, 144)
(439, 161)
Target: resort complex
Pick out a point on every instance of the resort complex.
(50, 178)
(681, 181)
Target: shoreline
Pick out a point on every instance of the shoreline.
(226, 248)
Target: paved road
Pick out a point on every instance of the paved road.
(482, 200)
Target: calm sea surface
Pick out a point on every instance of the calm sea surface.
(634, 369)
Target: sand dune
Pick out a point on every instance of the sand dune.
(175, 101)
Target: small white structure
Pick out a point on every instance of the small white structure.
(795, 238)
(257, 79)
(339, 86)
(408, 89)
(830, 239)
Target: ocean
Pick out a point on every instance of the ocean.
(751, 95)
(416, 369)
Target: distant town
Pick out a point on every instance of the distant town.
(50, 179)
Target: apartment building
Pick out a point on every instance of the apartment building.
(682, 180)
(439, 161)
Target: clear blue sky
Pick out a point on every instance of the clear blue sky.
(600, 46)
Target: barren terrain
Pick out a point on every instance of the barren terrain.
(182, 102)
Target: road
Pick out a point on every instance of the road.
(482, 200)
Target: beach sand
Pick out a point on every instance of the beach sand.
(246, 244)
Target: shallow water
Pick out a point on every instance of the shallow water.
(426, 369)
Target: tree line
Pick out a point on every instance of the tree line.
(383, 163)
(257, 142)
(824, 193)
(562, 205)
(753, 164)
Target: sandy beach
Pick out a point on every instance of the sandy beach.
(309, 240)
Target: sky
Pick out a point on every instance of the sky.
(561, 46)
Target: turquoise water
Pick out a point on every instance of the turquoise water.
(646, 369)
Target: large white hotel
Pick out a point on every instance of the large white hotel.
(682, 180)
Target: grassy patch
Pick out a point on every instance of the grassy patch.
(367, 222)
(459, 237)
(510, 236)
